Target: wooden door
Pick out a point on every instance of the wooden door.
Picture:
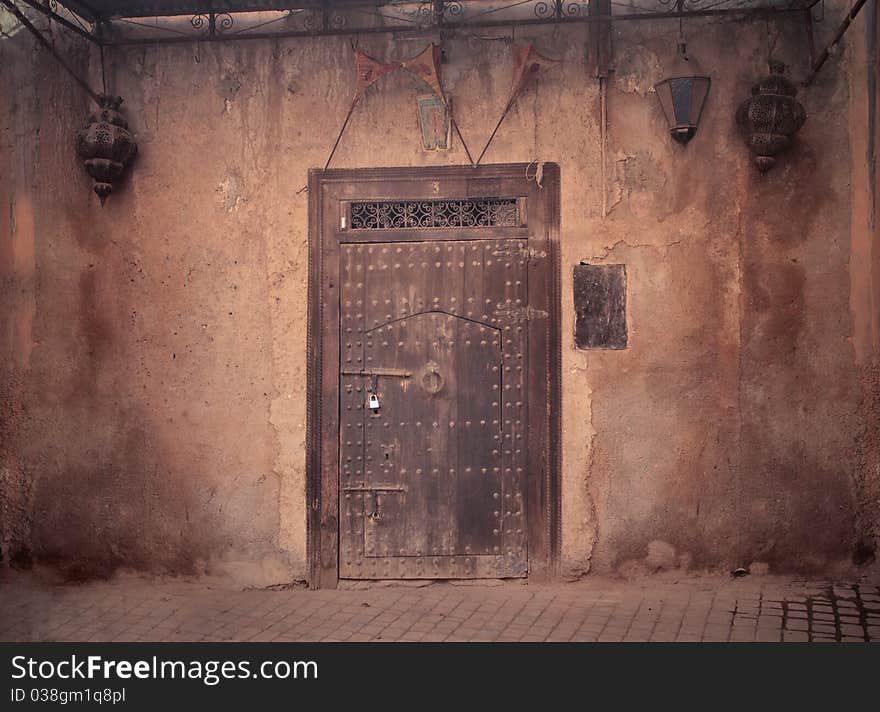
(427, 310)
(431, 476)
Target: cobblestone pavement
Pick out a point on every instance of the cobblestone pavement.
(595, 609)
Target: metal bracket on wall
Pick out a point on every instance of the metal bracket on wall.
(601, 38)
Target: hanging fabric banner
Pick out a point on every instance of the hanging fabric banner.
(369, 71)
(426, 66)
(528, 64)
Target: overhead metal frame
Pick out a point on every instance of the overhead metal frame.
(415, 17)
(310, 18)
(49, 9)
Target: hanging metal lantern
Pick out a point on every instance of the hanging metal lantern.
(682, 97)
(105, 145)
(771, 116)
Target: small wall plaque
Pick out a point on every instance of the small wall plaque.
(435, 124)
(600, 306)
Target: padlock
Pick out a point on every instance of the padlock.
(373, 402)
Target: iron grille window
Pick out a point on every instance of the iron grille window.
(470, 212)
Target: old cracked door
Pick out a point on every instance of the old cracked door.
(431, 479)
(438, 298)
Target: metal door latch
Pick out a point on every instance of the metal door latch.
(375, 515)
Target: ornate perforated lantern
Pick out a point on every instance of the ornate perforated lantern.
(771, 116)
(682, 96)
(105, 145)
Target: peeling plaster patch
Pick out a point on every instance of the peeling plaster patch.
(641, 180)
(867, 474)
(646, 185)
(642, 171)
(229, 86)
(661, 555)
(638, 69)
(231, 188)
(289, 467)
(270, 571)
(579, 516)
(615, 189)
(759, 568)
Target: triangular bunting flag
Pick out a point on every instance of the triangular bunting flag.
(369, 71)
(426, 66)
(528, 64)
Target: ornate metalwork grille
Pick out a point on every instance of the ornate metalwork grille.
(470, 212)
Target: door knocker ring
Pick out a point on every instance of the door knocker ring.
(432, 381)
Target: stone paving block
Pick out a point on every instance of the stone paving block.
(795, 636)
(767, 636)
(851, 630)
(712, 609)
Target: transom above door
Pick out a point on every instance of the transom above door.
(434, 309)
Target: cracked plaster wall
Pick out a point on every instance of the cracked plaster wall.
(154, 351)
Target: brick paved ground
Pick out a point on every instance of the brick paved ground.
(596, 609)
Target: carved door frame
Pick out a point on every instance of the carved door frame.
(326, 190)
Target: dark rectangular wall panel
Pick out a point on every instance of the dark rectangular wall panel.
(600, 306)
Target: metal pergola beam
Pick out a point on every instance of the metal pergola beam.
(51, 14)
(841, 31)
(19, 15)
(677, 10)
(430, 28)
